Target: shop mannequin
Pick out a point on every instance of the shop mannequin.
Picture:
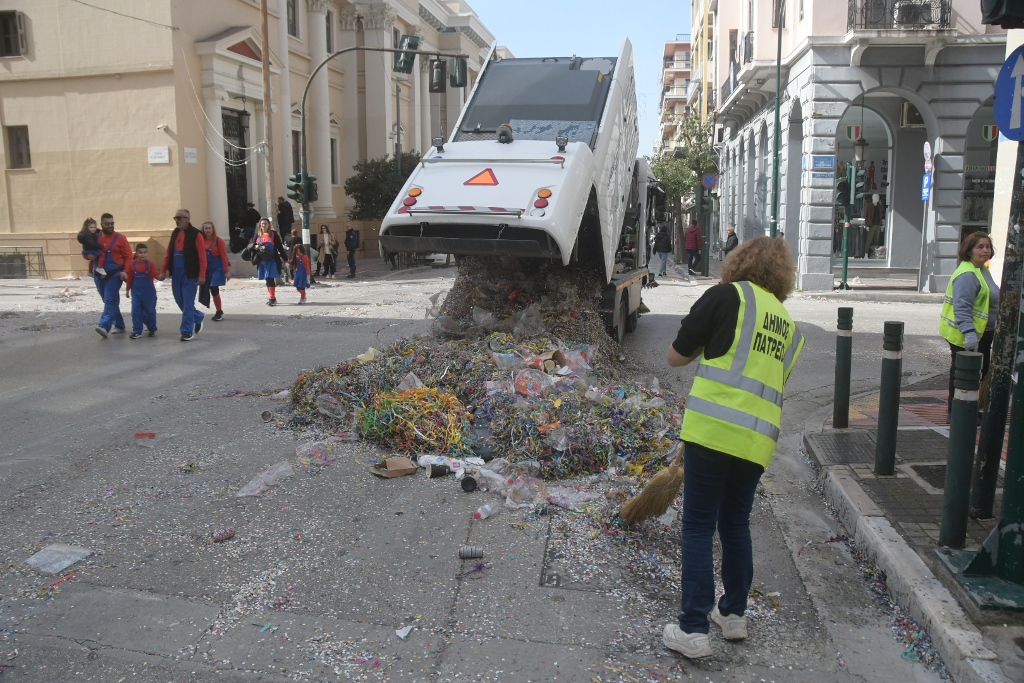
(873, 221)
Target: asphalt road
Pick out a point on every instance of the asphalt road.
(324, 571)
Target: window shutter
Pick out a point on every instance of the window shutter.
(22, 37)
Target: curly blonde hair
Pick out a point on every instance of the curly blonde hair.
(764, 261)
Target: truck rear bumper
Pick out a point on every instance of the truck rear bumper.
(464, 240)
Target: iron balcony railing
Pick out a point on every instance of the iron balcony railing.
(678, 64)
(727, 89)
(898, 15)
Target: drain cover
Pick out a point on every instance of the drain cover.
(921, 445)
(931, 400)
(933, 474)
(842, 448)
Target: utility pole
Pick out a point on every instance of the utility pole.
(268, 157)
(398, 126)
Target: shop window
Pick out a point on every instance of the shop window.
(335, 179)
(18, 152)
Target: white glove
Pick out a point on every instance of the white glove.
(971, 341)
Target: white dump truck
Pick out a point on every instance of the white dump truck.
(542, 164)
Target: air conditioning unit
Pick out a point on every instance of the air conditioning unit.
(912, 14)
(911, 117)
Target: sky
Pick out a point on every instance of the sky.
(594, 28)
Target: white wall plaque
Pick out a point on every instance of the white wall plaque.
(191, 155)
(159, 155)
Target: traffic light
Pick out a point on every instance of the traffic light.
(859, 188)
(842, 191)
(438, 76)
(297, 188)
(457, 72)
(405, 60)
(1005, 13)
(311, 193)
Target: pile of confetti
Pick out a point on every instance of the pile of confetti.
(521, 367)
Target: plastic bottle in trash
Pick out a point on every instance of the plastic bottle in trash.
(484, 511)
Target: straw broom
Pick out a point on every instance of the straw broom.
(659, 493)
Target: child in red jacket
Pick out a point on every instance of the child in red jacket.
(141, 274)
(300, 271)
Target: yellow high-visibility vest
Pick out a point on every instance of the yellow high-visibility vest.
(947, 317)
(735, 405)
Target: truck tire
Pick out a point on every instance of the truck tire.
(619, 331)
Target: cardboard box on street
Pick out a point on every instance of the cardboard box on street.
(398, 466)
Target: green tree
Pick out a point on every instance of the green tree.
(376, 183)
(681, 173)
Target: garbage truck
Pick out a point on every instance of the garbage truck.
(542, 164)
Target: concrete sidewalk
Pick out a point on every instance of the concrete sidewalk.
(895, 520)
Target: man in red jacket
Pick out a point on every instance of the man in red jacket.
(115, 255)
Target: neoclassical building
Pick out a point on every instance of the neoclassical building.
(891, 75)
(142, 108)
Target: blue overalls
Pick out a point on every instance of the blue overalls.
(143, 299)
(214, 269)
(184, 290)
(110, 289)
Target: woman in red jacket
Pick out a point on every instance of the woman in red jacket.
(218, 268)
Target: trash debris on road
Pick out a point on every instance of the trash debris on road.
(397, 466)
(271, 476)
(57, 557)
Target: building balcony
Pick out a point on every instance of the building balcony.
(898, 15)
(677, 65)
(747, 45)
(691, 92)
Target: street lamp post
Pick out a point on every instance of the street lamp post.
(302, 110)
(774, 224)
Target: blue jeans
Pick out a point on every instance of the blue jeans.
(110, 291)
(663, 255)
(694, 258)
(718, 491)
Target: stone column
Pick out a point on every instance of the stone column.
(817, 197)
(216, 177)
(352, 123)
(283, 103)
(318, 110)
(378, 22)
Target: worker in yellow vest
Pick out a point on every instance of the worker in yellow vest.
(747, 344)
(969, 308)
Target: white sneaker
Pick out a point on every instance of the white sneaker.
(734, 626)
(691, 645)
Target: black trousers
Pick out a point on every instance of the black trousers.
(330, 264)
(984, 348)
(352, 262)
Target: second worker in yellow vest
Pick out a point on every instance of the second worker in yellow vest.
(748, 345)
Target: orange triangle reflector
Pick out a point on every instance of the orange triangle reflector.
(484, 177)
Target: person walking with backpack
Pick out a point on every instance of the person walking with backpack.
(351, 244)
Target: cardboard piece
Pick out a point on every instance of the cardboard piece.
(398, 466)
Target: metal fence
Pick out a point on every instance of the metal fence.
(898, 15)
(19, 263)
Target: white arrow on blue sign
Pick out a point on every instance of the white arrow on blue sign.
(1009, 94)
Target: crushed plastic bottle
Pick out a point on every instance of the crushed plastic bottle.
(484, 511)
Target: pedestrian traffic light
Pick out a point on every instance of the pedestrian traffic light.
(405, 60)
(457, 72)
(297, 188)
(438, 76)
(859, 187)
(1005, 13)
(311, 193)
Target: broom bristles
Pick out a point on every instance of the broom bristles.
(656, 497)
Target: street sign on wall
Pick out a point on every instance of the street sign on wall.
(926, 187)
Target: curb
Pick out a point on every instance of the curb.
(912, 583)
(890, 296)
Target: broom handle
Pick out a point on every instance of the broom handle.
(678, 459)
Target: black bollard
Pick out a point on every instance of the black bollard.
(844, 354)
(963, 428)
(889, 398)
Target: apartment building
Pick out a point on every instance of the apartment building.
(868, 83)
(675, 87)
(141, 108)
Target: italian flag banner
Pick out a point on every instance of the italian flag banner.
(853, 132)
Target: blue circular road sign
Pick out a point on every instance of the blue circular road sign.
(709, 180)
(1009, 96)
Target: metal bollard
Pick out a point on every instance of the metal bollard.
(963, 428)
(889, 398)
(844, 354)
